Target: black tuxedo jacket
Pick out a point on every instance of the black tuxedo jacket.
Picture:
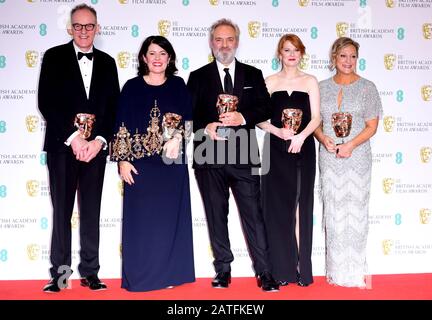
(254, 104)
(61, 95)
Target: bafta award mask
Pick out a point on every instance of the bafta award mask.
(254, 28)
(170, 124)
(31, 58)
(388, 122)
(164, 27)
(123, 59)
(425, 215)
(32, 123)
(226, 103)
(292, 118)
(84, 123)
(389, 61)
(341, 29)
(342, 122)
(425, 154)
(387, 185)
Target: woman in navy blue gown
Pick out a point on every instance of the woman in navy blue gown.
(157, 249)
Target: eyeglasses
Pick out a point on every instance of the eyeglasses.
(79, 26)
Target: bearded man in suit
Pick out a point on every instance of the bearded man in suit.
(230, 160)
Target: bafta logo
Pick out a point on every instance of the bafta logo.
(389, 61)
(425, 154)
(426, 92)
(210, 57)
(254, 28)
(32, 123)
(31, 58)
(32, 188)
(341, 29)
(214, 2)
(427, 31)
(123, 59)
(390, 3)
(303, 3)
(75, 220)
(164, 27)
(425, 215)
(388, 122)
(387, 185)
(387, 245)
(123, 1)
(33, 251)
(304, 62)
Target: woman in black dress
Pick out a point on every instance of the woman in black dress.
(157, 250)
(288, 188)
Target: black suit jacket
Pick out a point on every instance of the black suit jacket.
(254, 104)
(61, 95)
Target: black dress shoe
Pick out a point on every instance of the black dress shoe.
(221, 280)
(52, 286)
(267, 283)
(93, 283)
(300, 281)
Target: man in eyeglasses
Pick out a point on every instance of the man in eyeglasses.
(78, 90)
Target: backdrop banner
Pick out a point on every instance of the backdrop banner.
(395, 53)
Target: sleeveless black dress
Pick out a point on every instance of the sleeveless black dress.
(289, 182)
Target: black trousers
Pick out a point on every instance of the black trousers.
(214, 184)
(68, 176)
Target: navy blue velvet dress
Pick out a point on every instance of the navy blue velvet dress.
(157, 248)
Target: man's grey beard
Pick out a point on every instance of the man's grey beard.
(225, 57)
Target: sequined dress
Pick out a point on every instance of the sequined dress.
(345, 183)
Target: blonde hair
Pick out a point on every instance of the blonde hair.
(340, 43)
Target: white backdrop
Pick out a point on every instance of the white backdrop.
(395, 53)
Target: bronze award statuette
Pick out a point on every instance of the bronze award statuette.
(84, 123)
(291, 119)
(341, 122)
(170, 124)
(226, 103)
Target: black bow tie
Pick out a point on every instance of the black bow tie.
(89, 55)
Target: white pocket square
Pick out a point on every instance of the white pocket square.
(247, 87)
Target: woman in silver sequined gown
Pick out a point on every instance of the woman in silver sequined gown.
(345, 165)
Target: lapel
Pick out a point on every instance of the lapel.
(239, 81)
(76, 73)
(95, 73)
(214, 74)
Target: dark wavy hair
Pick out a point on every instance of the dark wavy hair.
(164, 44)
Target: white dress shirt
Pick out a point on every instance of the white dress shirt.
(86, 69)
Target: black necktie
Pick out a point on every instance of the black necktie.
(89, 55)
(228, 84)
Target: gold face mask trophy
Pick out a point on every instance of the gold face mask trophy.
(226, 103)
(84, 123)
